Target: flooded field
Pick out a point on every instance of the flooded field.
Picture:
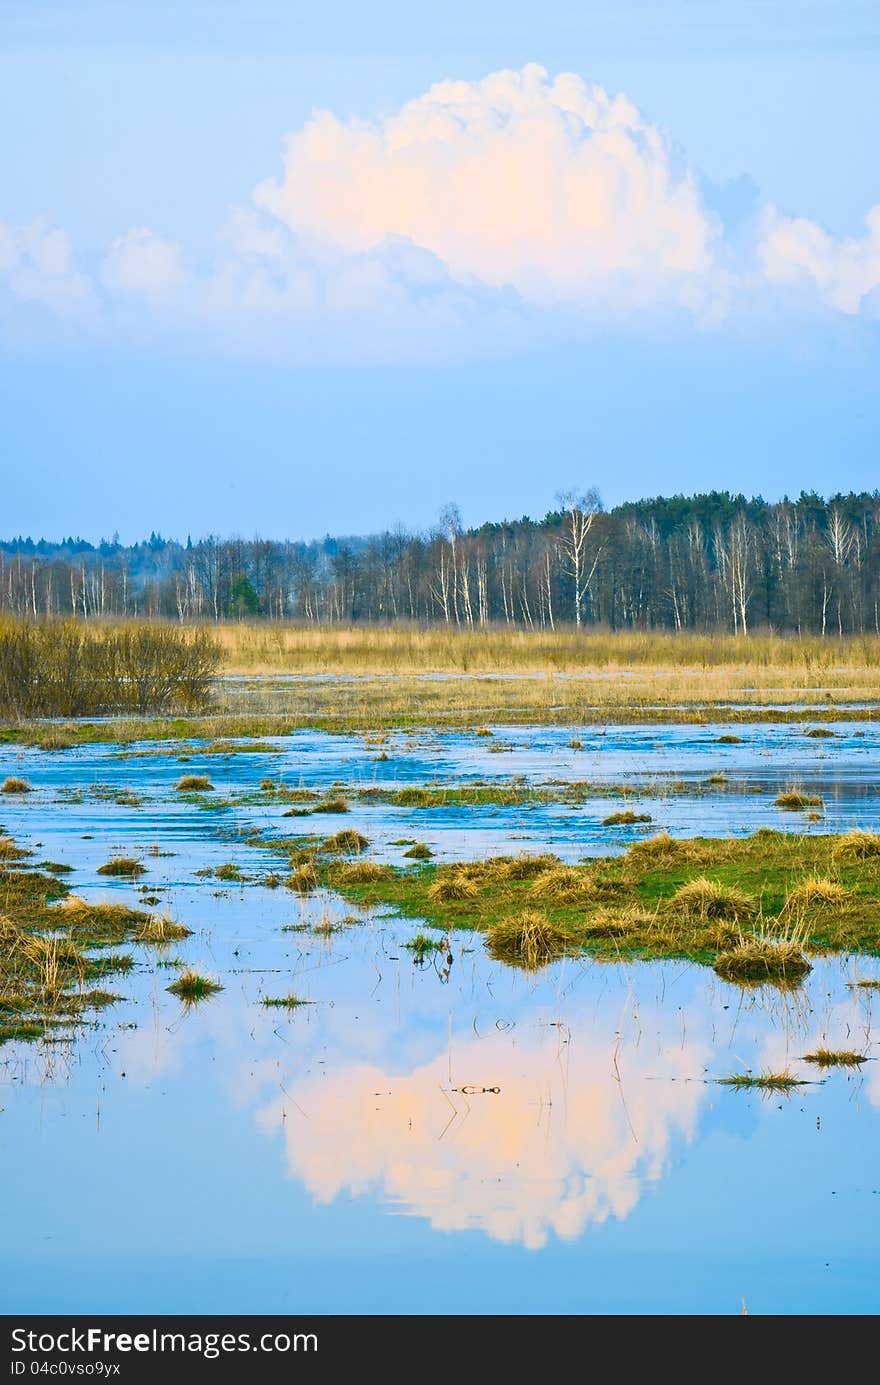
(433, 1130)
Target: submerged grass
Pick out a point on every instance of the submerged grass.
(55, 947)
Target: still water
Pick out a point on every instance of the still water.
(424, 1139)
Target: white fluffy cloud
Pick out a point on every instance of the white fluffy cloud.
(36, 264)
(141, 262)
(794, 250)
(546, 184)
(478, 216)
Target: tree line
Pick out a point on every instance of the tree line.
(716, 561)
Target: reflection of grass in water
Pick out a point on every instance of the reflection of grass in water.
(194, 783)
(762, 959)
(423, 945)
(47, 973)
(836, 1058)
(128, 866)
(528, 940)
(793, 801)
(765, 1081)
(162, 928)
(191, 986)
(726, 903)
(13, 785)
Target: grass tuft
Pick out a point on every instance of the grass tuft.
(194, 783)
(767, 1081)
(564, 885)
(346, 841)
(162, 928)
(191, 986)
(528, 940)
(127, 866)
(625, 819)
(817, 893)
(706, 899)
(836, 1058)
(15, 785)
(447, 888)
(856, 846)
(792, 801)
(757, 959)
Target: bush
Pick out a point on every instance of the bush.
(67, 668)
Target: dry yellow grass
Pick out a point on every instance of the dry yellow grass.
(857, 846)
(548, 674)
(528, 940)
(564, 885)
(447, 888)
(706, 899)
(817, 893)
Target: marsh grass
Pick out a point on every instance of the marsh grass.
(720, 902)
(54, 947)
(424, 946)
(856, 846)
(793, 801)
(658, 850)
(127, 866)
(359, 873)
(528, 940)
(159, 929)
(817, 892)
(565, 885)
(703, 899)
(756, 959)
(11, 851)
(448, 888)
(285, 1002)
(192, 987)
(419, 851)
(782, 1081)
(347, 841)
(194, 783)
(14, 785)
(627, 818)
(836, 1058)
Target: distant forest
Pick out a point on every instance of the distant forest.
(704, 562)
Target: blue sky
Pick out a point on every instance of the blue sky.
(483, 292)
